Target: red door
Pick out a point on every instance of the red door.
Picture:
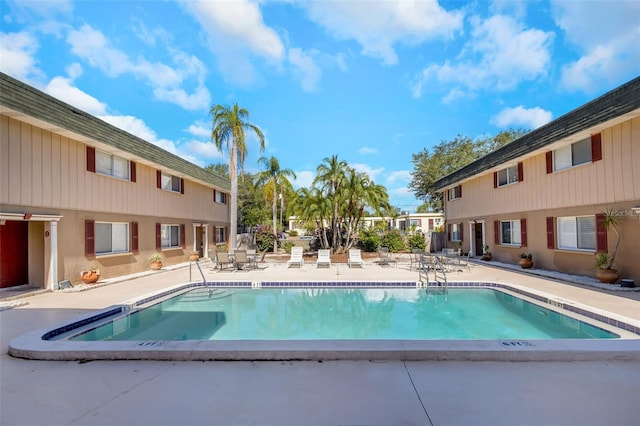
(14, 262)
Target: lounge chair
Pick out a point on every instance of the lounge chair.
(223, 258)
(415, 257)
(241, 259)
(385, 257)
(253, 258)
(296, 257)
(324, 258)
(355, 258)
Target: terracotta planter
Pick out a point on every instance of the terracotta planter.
(608, 276)
(525, 263)
(89, 277)
(155, 266)
(486, 257)
(194, 255)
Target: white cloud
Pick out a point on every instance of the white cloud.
(500, 55)
(305, 69)
(378, 26)
(200, 129)
(400, 176)
(17, 51)
(367, 150)
(531, 118)
(365, 168)
(63, 89)
(607, 35)
(92, 46)
(304, 179)
(203, 150)
(236, 33)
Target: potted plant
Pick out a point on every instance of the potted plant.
(604, 261)
(90, 276)
(486, 253)
(194, 255)
(526, 260)
(155, 261)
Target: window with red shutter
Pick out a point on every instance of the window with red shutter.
(89, 238)
(91, 159)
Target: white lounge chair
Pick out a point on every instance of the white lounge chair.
(355, 258)
(324, 258)
(296, 257)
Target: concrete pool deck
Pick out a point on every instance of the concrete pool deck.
(310, 393)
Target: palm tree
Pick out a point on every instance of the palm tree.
(331, 174)
(229, 124)
(312, 205)
(273, 177)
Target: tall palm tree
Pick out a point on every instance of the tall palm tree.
(331, 174)
(274, 177)
(312, 205)
(228, 127)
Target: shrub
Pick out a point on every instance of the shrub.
(287, 246)
(417, 241)
(369, 240)
(394, 240)
(265, 238)
(293, 233)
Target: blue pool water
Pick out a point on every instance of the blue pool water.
(337, 314)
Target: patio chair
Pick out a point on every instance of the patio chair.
(414, 258)
(385, 257)
(253, 258)
(241, 259)
(355, 258)
(296, 257)
(223, 258)
(463, 262)
(324, 258)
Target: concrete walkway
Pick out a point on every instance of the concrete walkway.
(311, 393)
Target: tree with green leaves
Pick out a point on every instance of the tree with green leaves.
(449, 156)
(331, 173)
(228, 132)
(273, 177)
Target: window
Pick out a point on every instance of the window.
(584, 151)
(508, 176)
(111, 237)
(454, 193)
(415, 223)
(576, 233)
(171, 183)
(220, 197)
(455, 232)
(510, 233)
(170, 236)
(112, 165)
(220, 237)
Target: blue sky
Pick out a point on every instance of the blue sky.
(370, 81)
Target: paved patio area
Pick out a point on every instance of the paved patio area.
(311, 393)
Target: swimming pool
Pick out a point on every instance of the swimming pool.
(343, 314)
(62, 342)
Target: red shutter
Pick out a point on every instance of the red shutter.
(448, 194)
(601, 234)
(449, 232)
(134, 237)
(89, 238)
(461, 232)
(214, 195)
(520, 172)
(496, 232)
(182, 237)
(226, 234)
(550, 162)
(596, 147)
(158, 179)
(551, 236)
(158, 236)
(495, 179)
(181, 185)
(132, 165)
(91, 159)
(459, 191)
(523, 232)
